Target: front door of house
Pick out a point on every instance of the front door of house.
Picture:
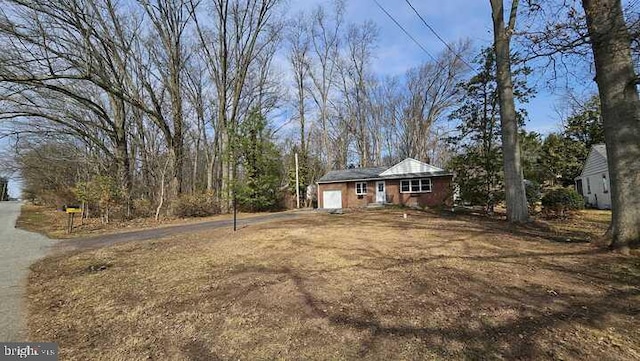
(380, 194)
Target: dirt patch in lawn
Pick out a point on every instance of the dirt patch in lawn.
(364, 285)
(53, 223)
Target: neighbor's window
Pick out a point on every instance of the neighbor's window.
(415, 185)
(588, 186)
(605, 186)
(361, 188)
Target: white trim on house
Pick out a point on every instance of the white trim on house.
(363, 185)
(409, 166)
(419, 185)
(403, 176)
(381, 195)
(332, 199)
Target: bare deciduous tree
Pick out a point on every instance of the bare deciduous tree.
(618, 88)
(515, 195)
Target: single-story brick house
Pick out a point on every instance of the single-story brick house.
(410, 182)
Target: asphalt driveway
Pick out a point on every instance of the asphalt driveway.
(18, 250)
(155, 233)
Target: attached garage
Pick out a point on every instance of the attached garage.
(332, 199)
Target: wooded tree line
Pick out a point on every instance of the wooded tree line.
(158, 96)
(161, 102)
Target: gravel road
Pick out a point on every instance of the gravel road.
(18, 249)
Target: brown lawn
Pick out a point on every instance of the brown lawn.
(364, 285)
(53, 223)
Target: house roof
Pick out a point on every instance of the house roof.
(601, 149)
(352, 174)
(408, 168)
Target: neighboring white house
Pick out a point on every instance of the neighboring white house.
(593, 182)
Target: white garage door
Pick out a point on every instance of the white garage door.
(332, 199)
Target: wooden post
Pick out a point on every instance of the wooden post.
(235, 213)
(71, 211)
(297, 184)
(70, 222)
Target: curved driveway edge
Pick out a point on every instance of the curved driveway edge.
(18, 250)
(155, 233)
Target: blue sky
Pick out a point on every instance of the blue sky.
(454, 20)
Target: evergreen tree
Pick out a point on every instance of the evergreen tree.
(478, 163)
(258, 189)
(585, 124)
(561, 160)
(530, 151)
(562, 155)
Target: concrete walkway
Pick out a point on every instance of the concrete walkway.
(18, 250)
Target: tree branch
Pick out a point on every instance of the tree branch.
(512, 17)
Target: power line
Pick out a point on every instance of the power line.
(438, 36)
(405, 31)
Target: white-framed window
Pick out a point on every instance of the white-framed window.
(361, 188)
(588, 186)
(415, 185)
(605, 186)
(404, 186)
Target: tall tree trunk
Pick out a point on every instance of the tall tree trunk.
(123, 165)
(194, 171)
(620, 104)
(175, 167)
(515, 195)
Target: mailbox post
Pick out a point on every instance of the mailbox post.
(71, 212)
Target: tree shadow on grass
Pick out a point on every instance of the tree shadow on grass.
(489, 315)
(514, 339)
(537, 311)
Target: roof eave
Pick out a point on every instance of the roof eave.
(402, 176)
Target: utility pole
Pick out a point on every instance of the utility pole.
(297, 184)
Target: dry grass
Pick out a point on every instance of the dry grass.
(365, 285)
(53, 223)
(44, 220)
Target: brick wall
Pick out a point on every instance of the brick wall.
(440, 193)
(355, 201)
